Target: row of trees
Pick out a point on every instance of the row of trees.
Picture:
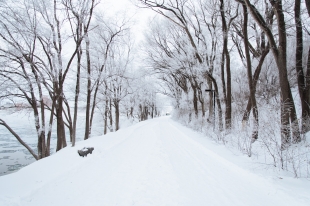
(198, 43)
(61, 55)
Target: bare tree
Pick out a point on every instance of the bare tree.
(79, 14)
(119, 81)
(107, 35)
(22, 68)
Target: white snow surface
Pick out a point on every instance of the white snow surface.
(155, 162)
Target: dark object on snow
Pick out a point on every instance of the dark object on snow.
(85, 151)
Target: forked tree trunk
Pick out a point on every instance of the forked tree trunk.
(279, 51)
(255, 79)
(249, 72)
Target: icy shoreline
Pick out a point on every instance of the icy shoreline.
(13, 156)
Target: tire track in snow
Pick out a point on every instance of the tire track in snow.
(189, 170)
(159, 185)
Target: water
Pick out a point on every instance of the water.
(13, 155)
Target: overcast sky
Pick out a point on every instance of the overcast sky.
(139, 16)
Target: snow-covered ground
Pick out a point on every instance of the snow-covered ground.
(155, 162)
(14, 156)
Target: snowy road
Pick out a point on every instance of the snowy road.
(151, 163)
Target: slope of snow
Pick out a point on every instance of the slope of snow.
(156, 162)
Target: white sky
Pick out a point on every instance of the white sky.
(138, 16)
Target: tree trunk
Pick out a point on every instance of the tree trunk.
(287, 104)
(308, 6)
(249, 72)
(131, 112)
(298, 61)
(195, 101)
(201, 100)
(152, 112)
(110, 116)
(87, 118)
(93, 106)
(211, 113)
(106, 116)
(77, 93)
(61, 136)
(146, 113)
(40, 127)
(307, 80)
(255, 79)
(69, 119)
(141, 113)
(223, 75)
(116, 105)
(49, 134)
(228, 74)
